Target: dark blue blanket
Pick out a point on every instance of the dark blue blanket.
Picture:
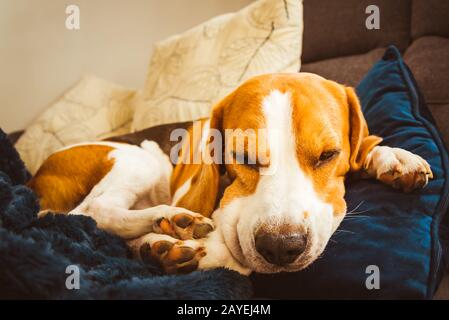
(35, 253)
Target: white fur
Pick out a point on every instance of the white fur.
(139, 178)
(180, 192)
(219, 255)
(383, 159)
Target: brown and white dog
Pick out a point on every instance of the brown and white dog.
(276, 214)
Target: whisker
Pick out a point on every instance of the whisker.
(345, 231)
(356, 207)
(356, 212)
(353, 217)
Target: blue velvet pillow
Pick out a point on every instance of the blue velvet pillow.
(404, 235)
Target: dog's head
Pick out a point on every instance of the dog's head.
(286, 198)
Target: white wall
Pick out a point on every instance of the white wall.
(40, 58)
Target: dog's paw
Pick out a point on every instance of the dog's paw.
(183, 224)
(398, 168)
(174, 256)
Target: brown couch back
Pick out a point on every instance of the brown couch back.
(335, 28)
(430, 18)
(338, 46)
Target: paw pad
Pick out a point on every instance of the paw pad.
(184, 226)
(183, 220)
(174, 258)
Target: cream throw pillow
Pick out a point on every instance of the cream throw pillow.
(93, 109)
(190, 72)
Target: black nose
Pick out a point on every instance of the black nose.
(280, 249)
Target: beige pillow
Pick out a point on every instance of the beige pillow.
(92, 110)
(189, 72)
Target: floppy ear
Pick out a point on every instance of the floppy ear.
(361, 141)
(216, 124)
(201, 196)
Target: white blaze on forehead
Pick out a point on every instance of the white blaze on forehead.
(277, 110)
(292, 191)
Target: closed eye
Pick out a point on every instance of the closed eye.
(326, 157)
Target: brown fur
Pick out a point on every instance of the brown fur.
(67, 176)
(201, 197)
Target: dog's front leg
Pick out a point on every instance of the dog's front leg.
(177, 222)
(398, 168)
(182, 256)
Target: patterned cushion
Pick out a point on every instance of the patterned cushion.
(92, 110)
(189, 72)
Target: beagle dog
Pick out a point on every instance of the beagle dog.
(279, 207)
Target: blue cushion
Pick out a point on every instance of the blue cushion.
(404, 235)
